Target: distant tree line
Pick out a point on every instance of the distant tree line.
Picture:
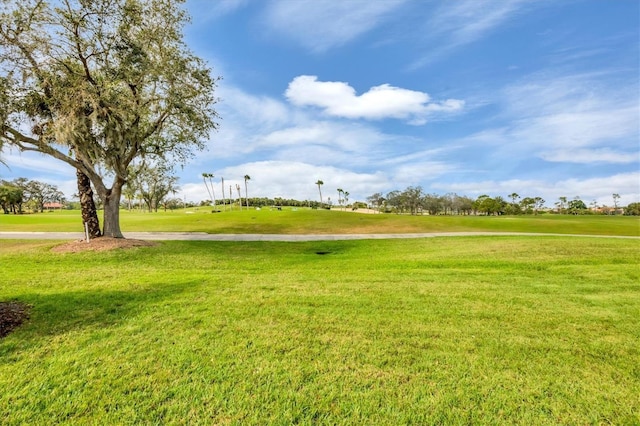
(150, 185)
(263, 202)
(21, 193)
(632, 209)
(413, 200)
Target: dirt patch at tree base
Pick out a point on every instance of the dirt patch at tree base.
(12, 315)
(100, 244)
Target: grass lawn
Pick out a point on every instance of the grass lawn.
(305, 221)
(467, 330)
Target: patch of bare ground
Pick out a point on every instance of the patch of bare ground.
(12, 315)
(364, 211)
(100, 244)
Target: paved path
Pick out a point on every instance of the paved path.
(202, 236)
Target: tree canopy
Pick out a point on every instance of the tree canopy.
(97, 84)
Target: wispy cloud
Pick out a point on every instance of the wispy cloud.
(350, 138)
(571, 118)
(16, 160)
(38, 167)
(583, 113)
(257, 111)
(321, 25)
(457, 23)
(339, 99)
(207, 9)
(416, 173)
(587, 156)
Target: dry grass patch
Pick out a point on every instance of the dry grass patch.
(100, 244)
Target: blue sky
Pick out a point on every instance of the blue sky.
(474, 97)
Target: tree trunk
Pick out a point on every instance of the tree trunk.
(112, 211)
(88, 207)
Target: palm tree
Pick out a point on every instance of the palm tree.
(88, 205)
(320, 183)
(239, 196)
(340, 192)
(209, 186)
(247, 178)
(224, 202)
(346, 198)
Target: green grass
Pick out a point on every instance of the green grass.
(482, 330)
(301, 221)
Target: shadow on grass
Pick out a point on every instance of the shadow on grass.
(60, 313)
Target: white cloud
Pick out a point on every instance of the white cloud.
(338, 99)
(265, 128)
(351, 138)
(321, 25)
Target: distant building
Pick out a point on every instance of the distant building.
(608, 210)
(53, 206)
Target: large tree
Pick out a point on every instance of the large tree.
(97, 84)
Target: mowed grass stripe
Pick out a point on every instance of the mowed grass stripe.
(479, 330)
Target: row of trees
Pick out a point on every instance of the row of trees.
(209, 184)
(414, 200)
(260, 202)
(22, 193)
(149, 187)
